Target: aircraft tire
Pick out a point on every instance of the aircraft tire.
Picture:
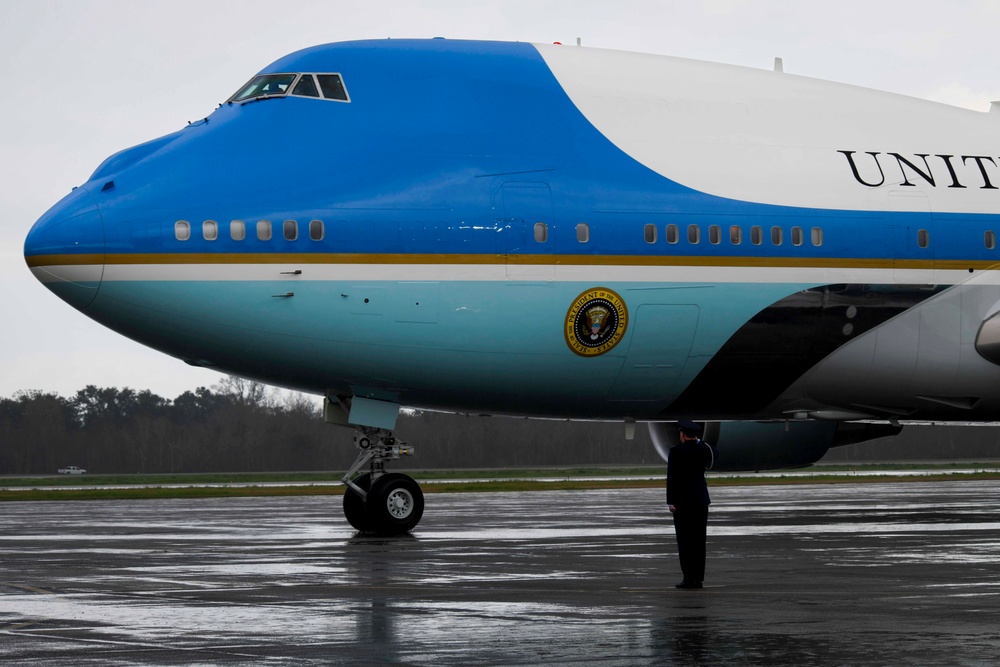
(395, 504)
(354, 506)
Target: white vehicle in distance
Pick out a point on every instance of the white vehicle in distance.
(71, 470)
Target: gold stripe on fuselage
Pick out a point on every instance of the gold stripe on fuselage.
(459, 259)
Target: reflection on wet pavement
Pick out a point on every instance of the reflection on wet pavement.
(797, 575)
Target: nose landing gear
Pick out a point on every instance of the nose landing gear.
(377, 501)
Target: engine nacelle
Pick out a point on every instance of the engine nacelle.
(752, 446)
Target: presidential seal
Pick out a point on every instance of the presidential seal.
(595, 322)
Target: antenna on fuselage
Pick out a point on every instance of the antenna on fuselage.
(579, 42)
(778, 65)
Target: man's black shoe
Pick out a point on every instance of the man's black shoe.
(689, 584)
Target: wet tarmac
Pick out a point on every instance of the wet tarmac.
(846, 574)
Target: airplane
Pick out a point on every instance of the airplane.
(561, 232)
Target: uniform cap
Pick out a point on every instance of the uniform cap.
(689, 426)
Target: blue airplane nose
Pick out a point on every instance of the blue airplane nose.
(65, 249)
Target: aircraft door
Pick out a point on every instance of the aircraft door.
(528, 231)
(657, 352)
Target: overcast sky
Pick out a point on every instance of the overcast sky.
(86, 78)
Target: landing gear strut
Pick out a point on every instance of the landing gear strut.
(377, 501)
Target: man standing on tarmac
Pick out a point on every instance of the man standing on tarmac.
(687, 499)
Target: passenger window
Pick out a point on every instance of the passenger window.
(776, 236)
(923, 238)
(756, 235)
(237, 230)
(694, 234)
(990, 239)
(583, 233)
(673, 234)
(736, 235)
(290, 230)
(796, 236)
(715, 235)
(210, 230)
(332, 87)
(649, 233)
(316, 230)
(182, 230)
(541, 232)
(264, 230)
(817, 236)
(306, 87)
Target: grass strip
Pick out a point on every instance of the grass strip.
(478, 486)
(316, 477)
(331, 477)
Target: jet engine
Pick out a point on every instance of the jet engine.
(754, 446)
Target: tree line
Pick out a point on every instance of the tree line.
(242, 426)
(234, 426)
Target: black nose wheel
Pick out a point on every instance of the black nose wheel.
(394, 504)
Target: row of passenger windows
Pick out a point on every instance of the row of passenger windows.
(238, 230)
(694, 234)
(290, 232)
(777, 235)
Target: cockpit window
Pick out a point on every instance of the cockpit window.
(264, 85)
(306, 87)
(267, 86)
(333, 87)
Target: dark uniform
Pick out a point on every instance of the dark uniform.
(687, 493)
